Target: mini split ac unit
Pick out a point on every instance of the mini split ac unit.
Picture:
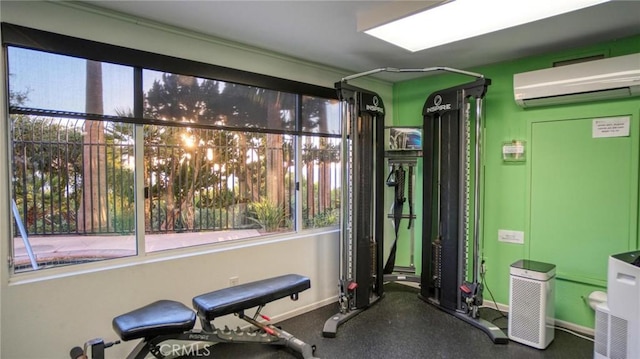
(614, 77)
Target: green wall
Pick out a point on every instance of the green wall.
(575, 198)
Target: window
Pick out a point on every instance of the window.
(68, 208)
(97, 145)
(320, 181)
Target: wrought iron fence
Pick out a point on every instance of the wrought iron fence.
(74, 176)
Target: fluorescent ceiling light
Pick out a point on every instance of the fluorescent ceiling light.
(463, 19)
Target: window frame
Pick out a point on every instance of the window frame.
(39, 40)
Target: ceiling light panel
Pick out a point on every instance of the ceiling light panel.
(463, 19)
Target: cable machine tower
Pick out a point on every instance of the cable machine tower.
(450, 225)
(451, 261)
(362, 217)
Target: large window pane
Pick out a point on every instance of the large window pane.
(72, 190)
(320, 181)
(187, 99)
(205, 185)
(217, 160)
(67, 84)
(320, 115)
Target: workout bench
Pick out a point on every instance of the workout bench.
(169, 321)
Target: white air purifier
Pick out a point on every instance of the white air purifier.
(531, 303)
(611, 335)
(617, 331)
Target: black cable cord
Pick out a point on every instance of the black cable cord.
(483, 281)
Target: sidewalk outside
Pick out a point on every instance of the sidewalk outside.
(60, 248)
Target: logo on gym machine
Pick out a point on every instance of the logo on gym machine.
(437, 105)
(375, 106)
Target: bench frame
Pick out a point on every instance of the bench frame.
(256, 333)
(252, 335)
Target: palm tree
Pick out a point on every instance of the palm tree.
(92, 212)
(275, 158)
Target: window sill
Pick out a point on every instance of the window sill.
(161, 256)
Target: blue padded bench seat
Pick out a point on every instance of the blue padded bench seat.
(244, 296)
(158, 318)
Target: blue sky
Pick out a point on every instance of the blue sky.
(58, 82)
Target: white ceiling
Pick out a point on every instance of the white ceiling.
(326, 32)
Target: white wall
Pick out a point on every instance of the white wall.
(46, 318)
(44, 314)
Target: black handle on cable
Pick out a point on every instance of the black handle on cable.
(391, 178)
(397, 215)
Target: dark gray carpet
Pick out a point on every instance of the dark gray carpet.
(400, 326)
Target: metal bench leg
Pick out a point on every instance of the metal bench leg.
(298, 345)
(286, 339)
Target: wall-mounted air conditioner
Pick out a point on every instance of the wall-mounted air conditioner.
(609, 78)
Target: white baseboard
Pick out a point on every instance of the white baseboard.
(559, 323)
(497, 306)
(305, 309)
(575, 327)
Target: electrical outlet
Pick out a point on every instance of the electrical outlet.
(233, 281)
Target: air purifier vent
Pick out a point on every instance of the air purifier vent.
(602, 332)
(618, 338)
(525, 314)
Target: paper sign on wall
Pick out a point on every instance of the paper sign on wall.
(611, 127)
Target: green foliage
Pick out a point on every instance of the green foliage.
(328, 218)
(267, 214)
(206, 218)
(121, 210)
(214, 198)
